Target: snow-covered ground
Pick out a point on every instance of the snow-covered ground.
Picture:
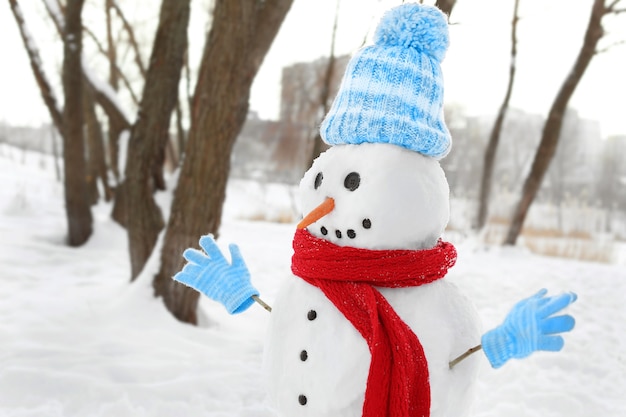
(77, 339)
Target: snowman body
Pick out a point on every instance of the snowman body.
(314, 353)
(386, 197)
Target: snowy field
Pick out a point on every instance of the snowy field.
(76, 339)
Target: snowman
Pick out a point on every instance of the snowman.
(369, 326)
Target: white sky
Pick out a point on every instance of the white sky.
(475, 68)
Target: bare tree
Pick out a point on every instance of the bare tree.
(55, 153)
(318, 144)
(93, 92)
(111, 49)
(240, 37)
(102, 91)
(116, 75)
(114, 130)
(494, 137)
(552, 128)
(565, 162)
(76, 197)
(150, 134)
(77, 122)
(96, 162)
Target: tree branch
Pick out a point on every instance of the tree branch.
(262, 303)
(612, 5)
(47, 93)
(56, 13)
(456, 361)
(612, 8)
(131, 37)
(94, 38)
(607, 48)
(119, 72)
(104, 96)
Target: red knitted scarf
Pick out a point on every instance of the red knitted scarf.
(397, 384)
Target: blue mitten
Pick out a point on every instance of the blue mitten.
(529, 327)
(213, 276)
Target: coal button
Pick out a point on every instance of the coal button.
(311, 315)
(302, 399)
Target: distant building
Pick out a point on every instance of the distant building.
(285, 145)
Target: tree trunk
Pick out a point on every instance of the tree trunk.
(114, 130)
(552, 128)
(97, 166)
(55, 153)
(89, 130)
(494, 138)
(150, 133)
(180, 134)
(240, 36)
(76, 196)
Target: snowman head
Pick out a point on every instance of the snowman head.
(382, 196)
(380, 186)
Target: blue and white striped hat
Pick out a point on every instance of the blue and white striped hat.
(392, 91)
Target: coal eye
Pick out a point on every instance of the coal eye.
(318, 180)
(352, 181)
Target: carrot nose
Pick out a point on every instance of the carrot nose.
(317, 213)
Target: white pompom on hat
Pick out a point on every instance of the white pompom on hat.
(392, 91)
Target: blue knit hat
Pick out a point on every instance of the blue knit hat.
(392, 91)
